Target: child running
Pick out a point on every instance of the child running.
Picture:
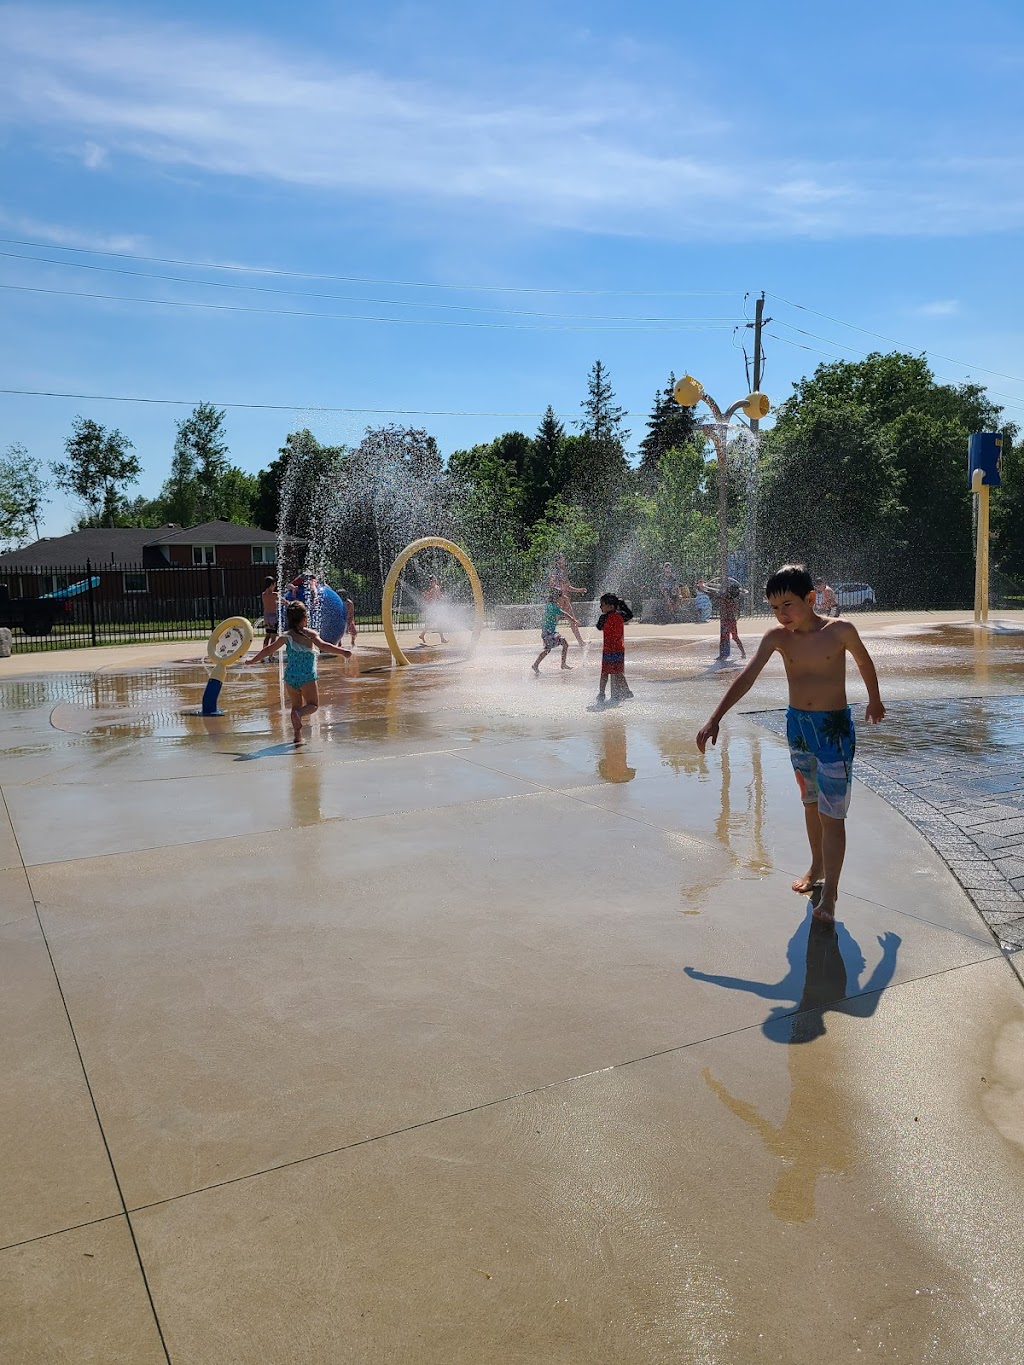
(549, 631)
(558, 583)
(300, 644)
(612, 621)
(819, 725)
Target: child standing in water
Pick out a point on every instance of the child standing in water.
(549, 631)
(433, 594)
(300, 644)
(612, 622)
(819, 725)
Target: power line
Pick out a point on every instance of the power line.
(1012, 402)
(950, 360)
(343, 298)
(355, 317)
(278, 407)
(364, 279)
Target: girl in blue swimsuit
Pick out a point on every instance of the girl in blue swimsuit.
(300, 645)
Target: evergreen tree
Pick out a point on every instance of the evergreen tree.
(598, 470)
(602, 417)
(546, 476)
(98, 464)
(669, 427)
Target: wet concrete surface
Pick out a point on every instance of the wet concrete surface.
(497, 1020)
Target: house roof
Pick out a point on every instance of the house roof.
(126, 544)
(213, 533)
(101, 545)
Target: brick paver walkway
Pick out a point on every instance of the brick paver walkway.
(955, 769)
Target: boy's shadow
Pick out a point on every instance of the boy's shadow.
(816, 1136)
(825, 969)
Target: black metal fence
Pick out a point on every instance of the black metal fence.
(104, 604)
(99, 604)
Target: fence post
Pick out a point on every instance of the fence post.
(209, 594)
(92, 602)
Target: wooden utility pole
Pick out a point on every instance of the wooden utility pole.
(755, 426)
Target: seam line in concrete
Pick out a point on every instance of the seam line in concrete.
(533, 1090)
(92, 1100)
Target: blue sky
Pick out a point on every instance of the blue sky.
(646, 166)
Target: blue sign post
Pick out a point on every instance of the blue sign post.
(984, 472)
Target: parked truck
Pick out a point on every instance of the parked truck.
(31, 615)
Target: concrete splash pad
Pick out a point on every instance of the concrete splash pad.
(397, 1057)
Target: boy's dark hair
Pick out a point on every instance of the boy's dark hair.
(268, 581)
(792, 578)
(295, 613)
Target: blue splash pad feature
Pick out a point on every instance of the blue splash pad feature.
(333, 614)
(211, 696)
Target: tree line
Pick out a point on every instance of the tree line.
(863, 476)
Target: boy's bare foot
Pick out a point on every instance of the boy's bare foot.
(825, 909)
(805, 885)
(567, 667)
(536, 669)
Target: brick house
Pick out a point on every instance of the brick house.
(163, 572)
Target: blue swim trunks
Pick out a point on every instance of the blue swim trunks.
(821, 749)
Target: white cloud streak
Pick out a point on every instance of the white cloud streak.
(592, 157)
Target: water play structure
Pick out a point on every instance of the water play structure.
(328, 614)
(985, 468)
(388, 597)
(229, 642)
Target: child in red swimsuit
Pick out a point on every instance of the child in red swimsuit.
(614, 615)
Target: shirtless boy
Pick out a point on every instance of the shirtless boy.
(819, 725)
(271, 611)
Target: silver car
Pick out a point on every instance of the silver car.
(855, 596)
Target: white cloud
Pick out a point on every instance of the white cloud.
(596, 156)
(94, 156)
(60, 234)
(939, 308)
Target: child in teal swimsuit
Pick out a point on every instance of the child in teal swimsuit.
(300, 645)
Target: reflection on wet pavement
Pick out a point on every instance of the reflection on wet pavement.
(510, 1007)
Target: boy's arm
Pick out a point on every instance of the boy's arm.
(875, 710)
(740, 688)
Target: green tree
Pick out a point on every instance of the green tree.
(563, 529)
(906, 515)
(488, 502)
(829, 492)
(669, 426)
(680, 526)
(597, 470)
(99, 464)
(200, 462)
(546, 475)
(1008, 508)
(22, 494)
(602, 416)
(313, 463)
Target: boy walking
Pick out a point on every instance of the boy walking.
(819, 725)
